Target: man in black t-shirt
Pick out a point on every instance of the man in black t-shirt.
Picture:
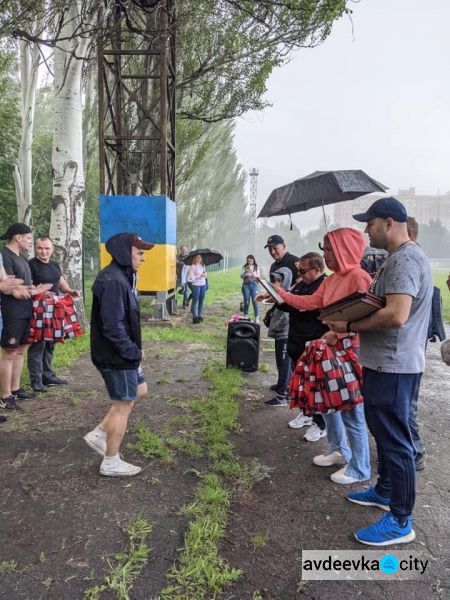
(16, 311)
(40, 354)
(282, 260)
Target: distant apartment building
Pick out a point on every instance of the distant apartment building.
(423, 208)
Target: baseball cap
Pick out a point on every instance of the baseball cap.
(138, 242)
(274, 240)
(128, 239)
(384, 208)
(16, 229)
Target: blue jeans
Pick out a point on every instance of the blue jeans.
(387, 401)
(187, 294)
(356, 451)
(250, 290)
(198, 300)
(284, 367)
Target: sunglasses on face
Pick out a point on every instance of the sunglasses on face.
(302, 271)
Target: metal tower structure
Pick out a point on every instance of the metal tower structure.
(136, 94)
(252, 211)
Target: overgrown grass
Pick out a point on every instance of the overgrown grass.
(127, 565)
(150, 445)
(440, 281)
(8, 566)
(201, 572)
(223, 286)
(259, 541)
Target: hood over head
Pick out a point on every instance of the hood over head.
(284, 275)
(119, 246)
(348, 246)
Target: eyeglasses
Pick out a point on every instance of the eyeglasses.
(303, 271)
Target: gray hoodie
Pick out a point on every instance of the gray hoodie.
(279, 321)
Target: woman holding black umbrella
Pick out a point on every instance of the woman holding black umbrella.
(197, 276)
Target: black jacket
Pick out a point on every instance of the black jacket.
(115, 318)
(303, 325)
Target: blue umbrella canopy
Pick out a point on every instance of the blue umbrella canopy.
(319, 189)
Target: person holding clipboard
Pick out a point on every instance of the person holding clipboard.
(284, 271)
(342, 252)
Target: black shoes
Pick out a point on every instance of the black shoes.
(10, 403)
(39, 387)
(197, 319)
(54, 381)
(21, 394)
(420, 463)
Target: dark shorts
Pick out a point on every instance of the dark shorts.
(15, 333)
(122, 385)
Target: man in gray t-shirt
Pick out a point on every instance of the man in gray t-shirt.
(393, 359)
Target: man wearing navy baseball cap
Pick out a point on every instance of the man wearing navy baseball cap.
(393, 359)
(284, 264)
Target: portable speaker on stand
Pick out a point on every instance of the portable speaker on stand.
(243, 345)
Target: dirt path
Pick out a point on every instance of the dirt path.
(299, 507)
(60, 518)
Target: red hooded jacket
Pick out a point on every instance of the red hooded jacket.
(348, 247)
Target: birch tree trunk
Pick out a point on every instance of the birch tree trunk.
(68, 195)
(29, 69)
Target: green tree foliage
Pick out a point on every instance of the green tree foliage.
(9, 137)
(211, 200)
(228, 48)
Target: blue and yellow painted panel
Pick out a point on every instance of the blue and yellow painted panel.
(153, 218)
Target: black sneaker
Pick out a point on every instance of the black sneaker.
(21, 394)
(54, 381)
(11, 404)
(276, 402)
(420, 463)
(39, 387)
(3, 419)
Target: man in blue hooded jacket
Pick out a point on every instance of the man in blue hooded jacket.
(116, 348)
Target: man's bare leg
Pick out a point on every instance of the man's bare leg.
(6, 371)
(17, 367)
(116, 425)
(142, 390)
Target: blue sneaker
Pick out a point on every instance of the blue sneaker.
(369, 497)
(386, 531)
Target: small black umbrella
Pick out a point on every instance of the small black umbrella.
(318, 189)
(209, 257)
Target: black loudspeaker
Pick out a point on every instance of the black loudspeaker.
(243, 345)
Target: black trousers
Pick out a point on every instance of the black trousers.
(39, 359)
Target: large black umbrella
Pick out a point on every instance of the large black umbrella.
(209, 257)
(318, 189)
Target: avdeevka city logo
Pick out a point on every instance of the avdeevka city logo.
(389, 564)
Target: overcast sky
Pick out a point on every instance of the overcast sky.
(376, 99)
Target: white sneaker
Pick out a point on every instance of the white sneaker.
(118, 468)
(96, 439)
(300, 421)
(314, 433)
(342, 478)
(256, 319)
(328, 460)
